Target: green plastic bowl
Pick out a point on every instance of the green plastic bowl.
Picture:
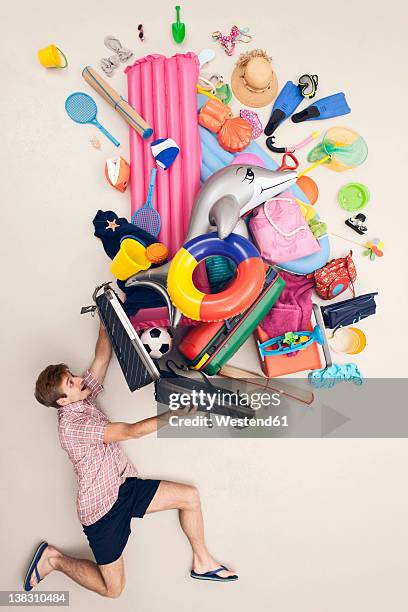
(353, 197)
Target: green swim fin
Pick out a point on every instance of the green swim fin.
(285, 104)
(325, 108)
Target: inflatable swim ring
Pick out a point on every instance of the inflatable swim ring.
(237, 297)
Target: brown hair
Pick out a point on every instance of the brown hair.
(47, 388)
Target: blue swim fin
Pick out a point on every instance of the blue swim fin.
(332, 106)
(285, 104)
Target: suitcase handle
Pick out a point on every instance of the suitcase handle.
(104, 286)
(86, 309)
(92, 309)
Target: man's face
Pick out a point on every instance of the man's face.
(74, 388)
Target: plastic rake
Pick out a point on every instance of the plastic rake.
(82, 108)
(147, 218)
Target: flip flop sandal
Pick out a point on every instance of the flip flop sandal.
(213, 575)
(33, 567)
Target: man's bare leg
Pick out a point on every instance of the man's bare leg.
(186, 499)
(107, 580)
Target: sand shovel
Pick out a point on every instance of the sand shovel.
(178, 28)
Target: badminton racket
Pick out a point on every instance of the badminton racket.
(147, 218)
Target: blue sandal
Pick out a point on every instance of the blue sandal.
(33, 567)
(213, 575)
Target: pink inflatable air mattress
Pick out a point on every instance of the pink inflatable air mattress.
(163, 90)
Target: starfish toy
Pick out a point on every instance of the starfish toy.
(95, 142)
(112, 225)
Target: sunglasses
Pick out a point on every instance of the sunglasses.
(141, 33)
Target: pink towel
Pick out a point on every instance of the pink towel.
(293, 310)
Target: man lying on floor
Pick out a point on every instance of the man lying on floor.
(110, 492)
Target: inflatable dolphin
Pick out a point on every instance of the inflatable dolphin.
(232, 192)
(224, 198)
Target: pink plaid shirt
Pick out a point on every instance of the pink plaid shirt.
(101, 468)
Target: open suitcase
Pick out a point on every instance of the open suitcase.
(137, 366)
(209, 346)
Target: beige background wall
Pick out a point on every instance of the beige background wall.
(315, 525)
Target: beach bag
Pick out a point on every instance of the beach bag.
(335, 277)
(281, 231)
(349, 312)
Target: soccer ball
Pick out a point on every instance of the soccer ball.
(157, 341)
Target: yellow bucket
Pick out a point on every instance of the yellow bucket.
(130, 259)
(51, 57)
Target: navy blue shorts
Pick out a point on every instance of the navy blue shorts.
(108, 536)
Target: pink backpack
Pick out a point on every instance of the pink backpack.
(280, 230)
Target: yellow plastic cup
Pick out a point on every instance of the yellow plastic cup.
(52, 57)
(349, 340)
(130, 259)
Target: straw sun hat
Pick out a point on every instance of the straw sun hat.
(253, 80)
